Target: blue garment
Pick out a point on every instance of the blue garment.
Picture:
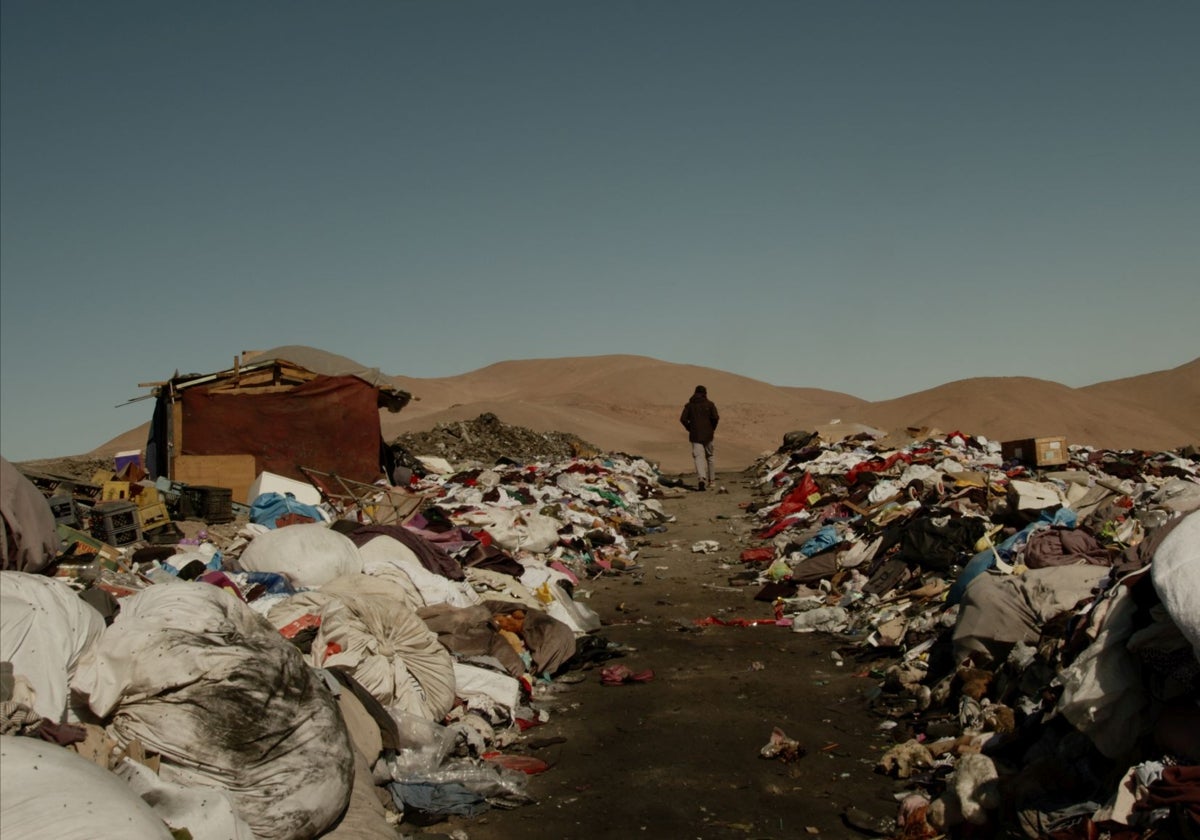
(269, 507)
(976, 566)
(825, 538)
(433, 798)
(276, 584)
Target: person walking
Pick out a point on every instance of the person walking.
(700, 418)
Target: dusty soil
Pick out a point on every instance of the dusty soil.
(678, 756)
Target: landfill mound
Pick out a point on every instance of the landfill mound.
(413, 649)
(1044, 668)
(488, 439)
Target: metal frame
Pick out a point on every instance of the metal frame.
(368, 503)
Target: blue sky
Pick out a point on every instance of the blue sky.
(874, 198)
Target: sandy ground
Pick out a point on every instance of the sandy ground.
(678, 756)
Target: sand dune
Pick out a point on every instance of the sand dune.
(632, 403)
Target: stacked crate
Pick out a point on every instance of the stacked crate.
(152, 508)
(116, 523)
(212, 504)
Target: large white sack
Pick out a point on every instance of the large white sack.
(308, 555)
(195, 675)
(44, 628)
(384, 555)
(293, 608)
(51, 793)
(398, 588)
(388, 649)
(207, 813)
(1175, 571)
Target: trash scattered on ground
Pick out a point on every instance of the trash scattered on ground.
(1039, 602)
(781, 747)
(1027, 612)
(414, 629)
(623, 675)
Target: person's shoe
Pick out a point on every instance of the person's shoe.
(701, 485)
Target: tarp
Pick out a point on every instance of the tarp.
(330, 423)
(28, 541)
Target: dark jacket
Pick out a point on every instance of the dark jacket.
(700, 418)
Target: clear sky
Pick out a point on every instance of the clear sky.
(870, 197)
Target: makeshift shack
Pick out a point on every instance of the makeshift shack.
(270, 414)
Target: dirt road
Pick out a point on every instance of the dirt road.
(678, 756)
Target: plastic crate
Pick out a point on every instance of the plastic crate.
(167, 533)
(212, 504)
(125, 537)
(65, 510)
(116, 491)
(153, 515)
(116, 523)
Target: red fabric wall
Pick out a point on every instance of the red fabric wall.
(329, 424)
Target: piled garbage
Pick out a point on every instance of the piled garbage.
(298, 674)
(487, 439)
(1035, 631)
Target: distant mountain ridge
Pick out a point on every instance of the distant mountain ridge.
(631, 404)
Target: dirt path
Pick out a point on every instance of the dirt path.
(678, 756)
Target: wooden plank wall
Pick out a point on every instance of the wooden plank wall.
(237, 472)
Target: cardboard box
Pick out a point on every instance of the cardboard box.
(269, 482)
(1036, 452)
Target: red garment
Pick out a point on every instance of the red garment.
(781, 525)
(758, 555)
(711, 621)
(876, 466)
(798, 498)
(621, 674)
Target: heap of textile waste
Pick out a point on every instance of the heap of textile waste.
(1035, 632)
(294, 674)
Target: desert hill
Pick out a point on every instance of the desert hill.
(1173, 395)
(1004, 408)
(631, 404)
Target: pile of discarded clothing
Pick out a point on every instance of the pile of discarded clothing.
(310, 675)
(1036, 631)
